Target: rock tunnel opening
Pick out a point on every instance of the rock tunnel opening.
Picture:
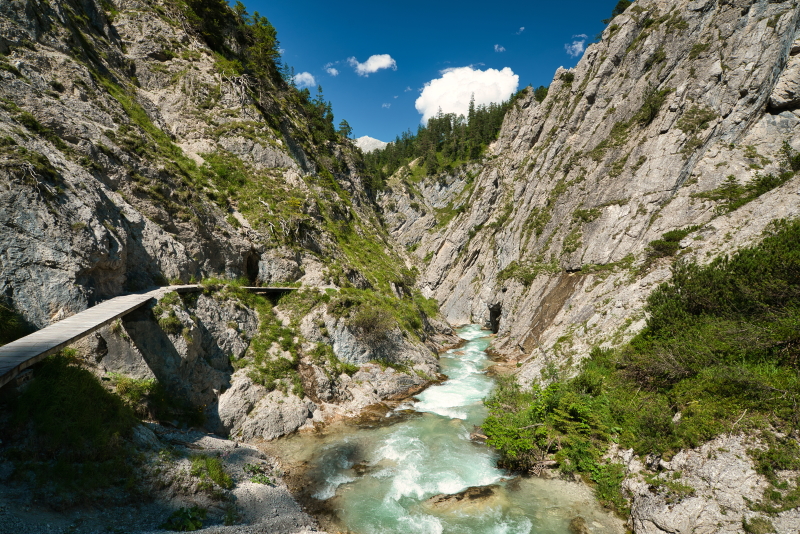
(251, 267)
(495, 310)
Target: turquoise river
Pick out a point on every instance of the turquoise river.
(378, 479)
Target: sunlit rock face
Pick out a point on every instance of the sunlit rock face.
(548, 240)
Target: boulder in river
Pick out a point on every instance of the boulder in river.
(473, 497)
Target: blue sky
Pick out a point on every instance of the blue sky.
(416, 41)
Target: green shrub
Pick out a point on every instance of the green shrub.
(586, 216)
(657, 57)
(259, 474)
(372, 324)
(619, 9)
(790, 157)
(186, 519)
(540, 93)
(669, 243)
(525, 271)
(653, 100)
(731, 195)
(721, 347)
(171, 324)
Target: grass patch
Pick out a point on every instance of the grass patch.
(209, 469)
(526, 271)
(71, 431)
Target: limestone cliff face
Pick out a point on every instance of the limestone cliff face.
(549, 242)
(132, 154)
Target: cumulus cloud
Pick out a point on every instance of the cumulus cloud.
(304, 79)
(330, 69)
(452, 92)
(386, 105)
(521, 29)
(577, 46)
(373, 64)
(499, 48)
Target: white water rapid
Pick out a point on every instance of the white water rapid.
(378, 480)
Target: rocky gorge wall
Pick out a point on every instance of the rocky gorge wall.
(549, 244)
(637, 158)
(132, 153)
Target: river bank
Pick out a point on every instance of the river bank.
(400, 471)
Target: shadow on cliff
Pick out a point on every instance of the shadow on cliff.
(192, 383)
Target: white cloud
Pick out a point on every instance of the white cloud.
(395, 96)
(407, 89)
(521, 29)
(452, 92)
(304, 79)
(330, 69)
(577, 46)
(499, 48)
(373, 64)
(386, 105)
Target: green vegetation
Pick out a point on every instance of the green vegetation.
(186, 519)
(619, 9)
(258, 56)
(669, 243)
(444, 142)
(653, 100)
(781, 453)
(757, 525)
(12, 325)
(526, 271)
(28, 165)
(586, 216)
(372, 324)
(720, 348)
(658, 56)
(540, 93)
(149, 399)
(732, 195)
(696, 119)
(70, 430)
(698, 49)
(209, 469)
(258, 474)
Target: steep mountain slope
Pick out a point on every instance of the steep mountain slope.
(151, 141)
(560, 237)
(675, 138)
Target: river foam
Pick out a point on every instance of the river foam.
(379, 480)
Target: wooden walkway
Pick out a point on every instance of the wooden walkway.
(25, 352)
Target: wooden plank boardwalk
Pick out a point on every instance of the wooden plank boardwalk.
(18, 355)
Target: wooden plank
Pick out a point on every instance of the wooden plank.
(22, 353)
